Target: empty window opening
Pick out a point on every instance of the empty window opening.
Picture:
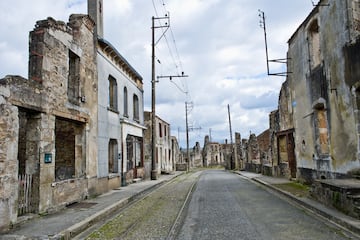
(113, 156)
(74, 78)
(113, 94)
(314, 44)
(69, 149)
(160, 130)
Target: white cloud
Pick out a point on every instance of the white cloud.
(220, 44)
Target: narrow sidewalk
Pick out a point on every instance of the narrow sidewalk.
(76, 218)
(331, 214)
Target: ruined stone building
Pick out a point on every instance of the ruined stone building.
(212, 153)
(176, 152)
(318, 104)
(48, 128)
(196, 156)
(165, 155)
(252, 152)
(314, 133)
(75, 127)
(265, 150)
(224, 154)
(239, 151)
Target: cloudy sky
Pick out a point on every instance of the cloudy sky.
(217, 43)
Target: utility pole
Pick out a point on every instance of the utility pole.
(188, 104)
(187, 136)
(170, 78)
(279, 60)
(153, 99)
(233, 149)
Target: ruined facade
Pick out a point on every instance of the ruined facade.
(239, 151)
(69, 131)
(264, 148)
(252, 151)
(53, 147)
(196, 156)
(212, 153)
(323, 92)
(177, 156)
(165, 162)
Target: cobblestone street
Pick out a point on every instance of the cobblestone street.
(151, 217)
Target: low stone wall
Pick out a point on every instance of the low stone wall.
(181, 167)
(140, 172)
(267, 170)
(253, 167)
(342, 194)
(67, 192)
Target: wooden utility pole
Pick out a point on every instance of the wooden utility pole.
(187, 137)
(233, 148)
(154, 172)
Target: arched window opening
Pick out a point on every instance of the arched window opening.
(314, 44)
(112, 94)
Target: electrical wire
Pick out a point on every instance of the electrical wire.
(177, 62)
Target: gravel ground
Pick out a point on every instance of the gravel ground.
(153, 216)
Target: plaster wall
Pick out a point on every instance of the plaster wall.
(340, 133)
(116, 124)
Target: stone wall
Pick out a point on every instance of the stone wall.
(9, 125)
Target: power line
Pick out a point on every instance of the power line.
(176, 62)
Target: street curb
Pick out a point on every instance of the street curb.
(309, 207)
(76, 229)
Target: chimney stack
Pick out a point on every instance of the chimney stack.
(95, 11)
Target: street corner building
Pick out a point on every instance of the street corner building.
(73, 129)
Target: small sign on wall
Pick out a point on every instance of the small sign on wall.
(48, 158)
